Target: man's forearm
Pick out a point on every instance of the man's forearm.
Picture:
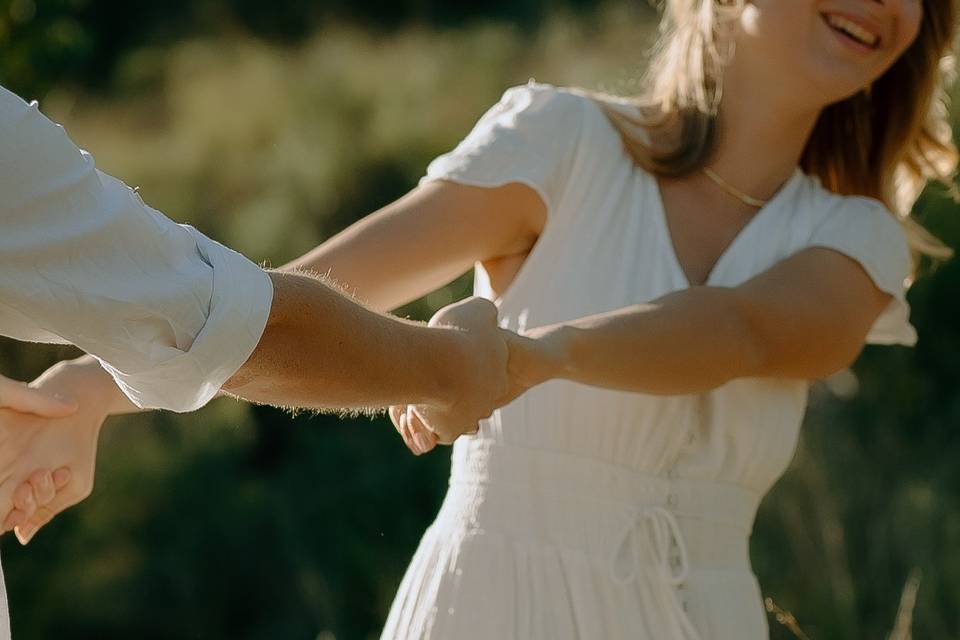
(321, 349)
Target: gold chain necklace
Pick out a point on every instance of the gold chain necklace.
(732, 190)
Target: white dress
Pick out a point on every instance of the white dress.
(580, 512)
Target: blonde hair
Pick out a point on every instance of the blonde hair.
(901, 136)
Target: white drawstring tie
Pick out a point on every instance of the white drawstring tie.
(662, 530)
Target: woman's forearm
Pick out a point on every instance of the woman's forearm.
(393, 256)
(426, 239)
(805, 318)
(686, 342)
(383, 278)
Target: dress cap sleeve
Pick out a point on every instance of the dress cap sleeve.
(864, 230)
(529, 136)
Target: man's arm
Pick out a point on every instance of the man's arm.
(321, 349)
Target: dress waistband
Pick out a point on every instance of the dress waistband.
(633, 526)
(567, 501)
(569, 476)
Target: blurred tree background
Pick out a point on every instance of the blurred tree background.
(270, 126)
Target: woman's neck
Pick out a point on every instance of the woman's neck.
(761, 136)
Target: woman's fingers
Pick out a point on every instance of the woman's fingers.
(398, 418)
(25, 531)
(41, 481)
(14, 519)
(416, 435)
(407, 435)
(25, 399)
(28, 527)
(61, 477)
(23, 499)
(43, 486)
(395, 412)
(425, 439)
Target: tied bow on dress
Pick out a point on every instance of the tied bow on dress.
(653, 530)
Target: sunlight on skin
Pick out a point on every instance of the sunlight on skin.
(45, 494)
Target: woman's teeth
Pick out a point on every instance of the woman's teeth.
(853, 30)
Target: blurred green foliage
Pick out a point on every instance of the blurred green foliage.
(48, 42)
(271, 126)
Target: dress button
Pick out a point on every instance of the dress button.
(673, 500)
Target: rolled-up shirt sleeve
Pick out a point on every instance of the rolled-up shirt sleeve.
(170, 313)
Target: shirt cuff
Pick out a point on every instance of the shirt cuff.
(239, 309)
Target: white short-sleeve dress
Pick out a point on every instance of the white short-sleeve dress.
(580, 512)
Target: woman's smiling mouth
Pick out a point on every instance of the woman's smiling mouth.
(851, 31)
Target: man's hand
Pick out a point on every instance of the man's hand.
(529, 361)
(50, 461)
(477, 384)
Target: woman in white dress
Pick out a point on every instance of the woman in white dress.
(685, 263)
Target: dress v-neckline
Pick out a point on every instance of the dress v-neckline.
(661, 215)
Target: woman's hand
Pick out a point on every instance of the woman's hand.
(20, 403)
(54, 457)
(25, 398)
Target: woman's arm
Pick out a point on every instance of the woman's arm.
(805, 318)
(426, 239)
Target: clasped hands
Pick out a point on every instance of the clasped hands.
(49, 429)
(501, 366)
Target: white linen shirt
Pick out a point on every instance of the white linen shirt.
(168, 312)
